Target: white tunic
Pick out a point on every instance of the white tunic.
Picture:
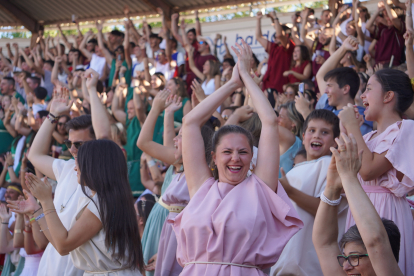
(299, 256)
(93, 256)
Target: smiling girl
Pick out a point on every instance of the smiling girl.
(386, 174)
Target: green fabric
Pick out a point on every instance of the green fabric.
(133, 129)
(112, 73)
(5, 139)
(155, 222)
(159, 126)
(13, 152)
(63, 146)
(19, 97)
(19, 268)
(8, 267)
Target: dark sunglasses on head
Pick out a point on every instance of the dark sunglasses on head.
(69, 143)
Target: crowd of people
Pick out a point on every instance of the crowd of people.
(142, 153)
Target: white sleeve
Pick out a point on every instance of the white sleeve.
(180, 59)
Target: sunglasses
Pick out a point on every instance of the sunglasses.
(60, 124)
(69, 143)
(201, 42)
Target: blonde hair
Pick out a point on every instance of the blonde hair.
(118, 131)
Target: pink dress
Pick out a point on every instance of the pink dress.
(244, 224)
(175, 195)
(387, 193)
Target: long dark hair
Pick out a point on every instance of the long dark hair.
(104, 170)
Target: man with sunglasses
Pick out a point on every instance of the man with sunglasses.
(68, 191)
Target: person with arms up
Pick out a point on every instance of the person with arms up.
(371, 247)
(222, 217)
(68, 191)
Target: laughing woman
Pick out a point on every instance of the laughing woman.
(240, 224)
(102, 239)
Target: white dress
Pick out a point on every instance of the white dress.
(93, 256)
(31, 263)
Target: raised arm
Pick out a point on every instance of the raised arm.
(191, 63)
(116, 107)
(145, 142)
(304, 29)
(6, 239)
(370, 226)
(398, 24)
(295, 36)
(100, 121)
(127, 52)
(82, 46)
(198, 25)
(139, 106)
(268, 151)
(55, 71)
(174, 104)
(350, 44)
(9, 52)
(196, 167)
(409, 36)
(361, 36)
(174, 29)
(39, 150)
(280, 34)
(370, 24)
(16, 54)
(64, 38)
(108, 56)
(18, 238)
(183, 34)
(259, 36)
(408, 16)
(325, 227)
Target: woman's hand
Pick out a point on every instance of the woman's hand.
(92, 78)
(287, 73)
(348, 161)
(151, 263)
(159, 102)
(60, 104)
(4, 215)
(333, 181)
(244, 57)
(348, 117)
(198, 91)
(42, 190)
(174, 103)
(9, 159)
(27, 206)
(408, 36)
(284, 181)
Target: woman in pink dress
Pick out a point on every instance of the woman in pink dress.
(233, 225)
(386, 173)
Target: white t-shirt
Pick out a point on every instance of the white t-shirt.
(165, 69)
(67, 194)
(98, 64)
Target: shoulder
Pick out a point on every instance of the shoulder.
(62, 168)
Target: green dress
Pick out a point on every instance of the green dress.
(133, 129)
(5, 139)
(153, 227)
(112, 73)
(13, 152)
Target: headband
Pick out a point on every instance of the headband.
(15, 188)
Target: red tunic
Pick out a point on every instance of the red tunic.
(390, 43)
(298, 69)
(279, 61)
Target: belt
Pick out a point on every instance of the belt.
(221, 263)
(376, 189)
(106, 273)
(173, 208)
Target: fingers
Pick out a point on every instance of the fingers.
(282, 171)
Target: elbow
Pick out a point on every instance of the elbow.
(270, 120)
(63, 249)
(367, 176)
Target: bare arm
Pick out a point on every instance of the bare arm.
(9, 52)
(117, 110)
(303, 31)
(145, 142)
(198, 25)
(127, 52)
(409, 35)
(280, 34)
(408, 16)
(139, 106)
(191, 63)
(259, 37)
(65, 40)
(370, 24)
(295, 36)
(398, 24)
(350, 43)
(18, 238)
(174, 29)
(82, 46)
(107, 55)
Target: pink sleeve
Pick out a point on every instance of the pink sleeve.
(388, 139)
(401, 153)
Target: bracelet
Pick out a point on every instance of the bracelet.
(10, 167)
(39, 217)
(44, 211)
(5, 223)
(50, 212)
(151, 163)
(331, 202)
(17, 231)
(45, 230)
(27, 231)
(52, 119)
(36, 211)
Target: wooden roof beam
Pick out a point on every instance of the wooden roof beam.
(28, 22)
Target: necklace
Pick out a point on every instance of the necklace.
(62, 207)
